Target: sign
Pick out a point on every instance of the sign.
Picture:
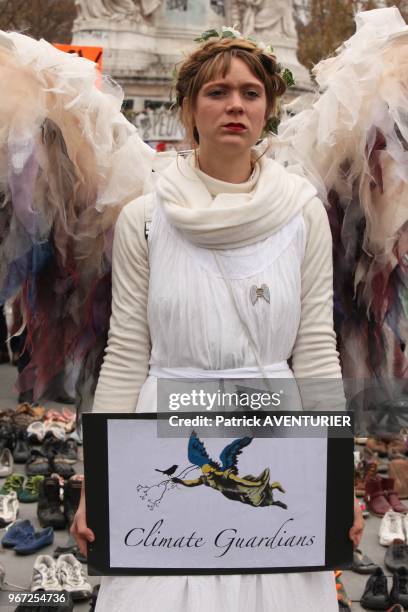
(95, 54)
(214, 505)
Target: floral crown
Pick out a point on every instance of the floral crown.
(232, 32)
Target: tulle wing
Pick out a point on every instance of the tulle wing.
(352, 143)
(69, 161)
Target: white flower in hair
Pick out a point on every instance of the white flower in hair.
(264, 47)
(232, 31)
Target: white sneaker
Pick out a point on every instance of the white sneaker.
(45, 574)
(72, 577)
(391, 528)
(8, 508)
(405, 526)
(6, 463)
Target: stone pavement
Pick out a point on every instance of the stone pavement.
(18, 569)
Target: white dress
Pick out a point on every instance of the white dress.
(193, 322)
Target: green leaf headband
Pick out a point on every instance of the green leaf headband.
(232, 32)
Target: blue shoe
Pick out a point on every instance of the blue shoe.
(35, 541)
(16, 532)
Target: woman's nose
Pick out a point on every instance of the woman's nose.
(235, 103)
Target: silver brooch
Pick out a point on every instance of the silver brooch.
(258, 292)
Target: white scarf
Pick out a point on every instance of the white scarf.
(231, 220)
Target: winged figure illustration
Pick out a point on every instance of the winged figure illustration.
(253, 490)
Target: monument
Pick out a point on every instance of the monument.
(144, 39)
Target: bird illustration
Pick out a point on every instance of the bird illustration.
(169, 470)
(253, 490)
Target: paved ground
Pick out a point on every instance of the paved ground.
(19, 569)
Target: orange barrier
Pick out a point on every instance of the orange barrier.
(92, 53)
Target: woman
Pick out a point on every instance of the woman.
(223, 221)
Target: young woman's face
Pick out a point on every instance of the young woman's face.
(230, 111)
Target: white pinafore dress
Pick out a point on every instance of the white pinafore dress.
(195, 329)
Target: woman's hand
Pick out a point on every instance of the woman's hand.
(356, 531)
(79, 528)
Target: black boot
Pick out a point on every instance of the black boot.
(72, 495)
(399, 591)
(49, 504)
(375, 596)
(21, 452)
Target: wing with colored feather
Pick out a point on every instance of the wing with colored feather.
(229, 456)
(197, 453)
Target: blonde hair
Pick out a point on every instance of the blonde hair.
(214, 58)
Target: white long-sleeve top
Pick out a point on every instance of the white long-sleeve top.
(126, 362)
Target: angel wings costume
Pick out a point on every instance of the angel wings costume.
(181, 301)
(352, 143)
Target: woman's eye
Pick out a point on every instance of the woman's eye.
(252, 93)
(215, 93)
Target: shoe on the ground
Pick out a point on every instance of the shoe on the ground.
(36, 432)
(365, 468)
(49, 503)
(15, 532)
(72, 550)
(31, 489)
(72, 495)
(72, 577)
(24, 415)
(75, 435)
(374, 497)
(362, 564)
(391, 528)
(7, 436)
(14, 482)
(38, 464)
(61, 463)
(377, 446)
(395, 608)
(45, 576)
(6, 463)
(62, 466)
(391, 495)
(396, 556)
(21, 452)
(70, 547)
(33, 542)
(375, 596)
(70, 451)
(396, 448)
(399, 590)
(398, 470)
(54, 430)
(8, 508)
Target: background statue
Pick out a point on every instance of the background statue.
(275, 16)
(115, 9)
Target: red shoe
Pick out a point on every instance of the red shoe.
(375, 498)
(391, 495)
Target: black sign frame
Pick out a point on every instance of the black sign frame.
(339, 504)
